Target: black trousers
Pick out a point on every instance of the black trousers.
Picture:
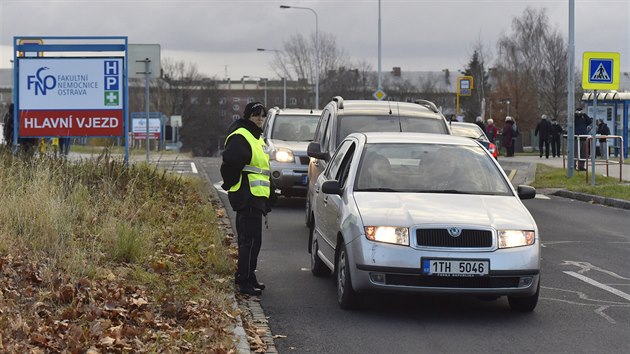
(249, 230)
(555, 146)
(545, 143)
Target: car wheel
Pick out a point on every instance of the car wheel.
(526, 303)
(346, 296)
(318, 268)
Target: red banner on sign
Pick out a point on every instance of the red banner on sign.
(143, 136)
(71, 123)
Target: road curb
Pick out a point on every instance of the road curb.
(611, 202)
(252, 306)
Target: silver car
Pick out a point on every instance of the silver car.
(287, 133)
(425, 213)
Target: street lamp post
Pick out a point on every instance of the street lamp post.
(316, 49)
(507, 103)
(259, 78)
(284, 79)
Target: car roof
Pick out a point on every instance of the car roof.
(297, 111)
(367, 107)
(411, 138)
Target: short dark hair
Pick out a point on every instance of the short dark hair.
(254, 109)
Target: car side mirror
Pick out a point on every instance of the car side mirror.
(331, 187)
(314, 150)
(526, 192)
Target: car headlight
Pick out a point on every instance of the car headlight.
(283, 155)
(388, 234)
(516, 238)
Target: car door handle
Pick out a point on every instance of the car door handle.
(325, 200)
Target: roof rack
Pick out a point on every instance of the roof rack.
(339, 101)
(430, 105)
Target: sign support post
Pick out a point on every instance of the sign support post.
(600, 70)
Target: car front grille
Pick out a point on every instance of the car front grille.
(452, 282)
(441, 238)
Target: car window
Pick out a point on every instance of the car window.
(429, 168)
(364, 123)
(344, 168)
(294, 127)
(333, 166)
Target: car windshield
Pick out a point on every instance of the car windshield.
(429, 168)
(468, 131)
(294, 127)
(389, 123)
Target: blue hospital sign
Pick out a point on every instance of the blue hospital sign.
(600, 71)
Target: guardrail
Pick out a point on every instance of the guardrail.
(582, 144)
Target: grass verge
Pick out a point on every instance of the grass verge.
(549, 177)
(99, 257)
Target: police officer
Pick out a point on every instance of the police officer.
(245, 172)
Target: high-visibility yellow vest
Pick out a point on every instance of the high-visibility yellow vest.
(258, 167)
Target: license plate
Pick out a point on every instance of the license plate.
(449, 267)
(304, 180)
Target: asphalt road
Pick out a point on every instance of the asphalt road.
(584, 305)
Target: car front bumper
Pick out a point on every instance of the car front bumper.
(384, 267)
(290, 178)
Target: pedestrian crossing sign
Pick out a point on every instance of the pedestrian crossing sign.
(600, 71)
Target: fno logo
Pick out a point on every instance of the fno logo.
(41, 83)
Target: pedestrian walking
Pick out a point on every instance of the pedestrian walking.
(556, 135)
(245, 173)
(581, 126)
(508, 139)
(543, 131)
(479, 122)
(602, 129)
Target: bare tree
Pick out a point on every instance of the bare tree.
(525, 71)
(297, 60)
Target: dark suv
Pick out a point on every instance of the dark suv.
(340, 118)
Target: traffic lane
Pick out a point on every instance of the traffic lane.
(304, 308)
(584, 261)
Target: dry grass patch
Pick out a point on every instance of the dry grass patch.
(102, 257)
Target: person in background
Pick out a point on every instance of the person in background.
(581, 127)
(602, 129)
(64, 145)
(27, 145)
(245, 172)
(507, 140)
(491, 130)
(479, 122)
(556, 135)
(543, 130)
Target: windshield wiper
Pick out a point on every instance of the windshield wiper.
(379, 189)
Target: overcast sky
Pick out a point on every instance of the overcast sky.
(221, 36)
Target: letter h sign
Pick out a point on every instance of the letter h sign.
(111, 71)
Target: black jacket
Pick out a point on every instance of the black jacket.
(603, 129)
(543, 129)
(236, 155)
(556, 131)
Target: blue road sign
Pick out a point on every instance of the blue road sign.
(601, 71)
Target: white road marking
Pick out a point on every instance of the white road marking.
(193, 167)
(541, 196)
(586, 266)
(599, 285)
(512, 174)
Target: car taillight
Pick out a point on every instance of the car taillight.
(493, 150)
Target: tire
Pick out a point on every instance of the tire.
(346, 296)
(318, 268)
(526, 303)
